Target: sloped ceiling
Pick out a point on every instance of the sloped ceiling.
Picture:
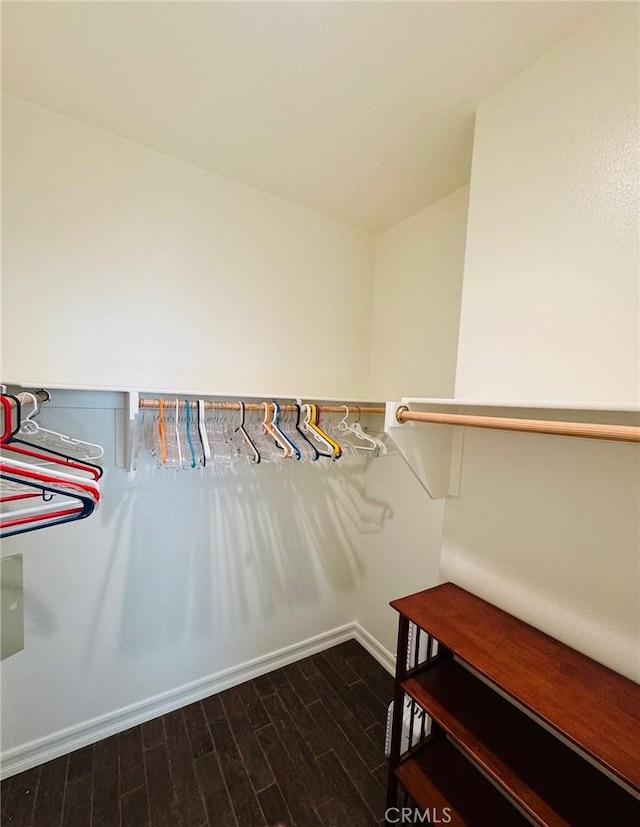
(362, 111)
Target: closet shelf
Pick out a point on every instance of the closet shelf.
(417, 403)
(492, 732)
(135, 398)
(199, 393)
(441, 779)
(429, 432)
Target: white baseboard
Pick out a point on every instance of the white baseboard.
(375, 648)
(60, 743)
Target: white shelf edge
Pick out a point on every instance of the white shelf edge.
(347, 400)
(557, 405)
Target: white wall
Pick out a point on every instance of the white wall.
(401, 555)
(550, 307)
(418, 281)
(175, 578)
(125, 268)
(122, 267)
(179, 575)
(548, 527)
(416, 308)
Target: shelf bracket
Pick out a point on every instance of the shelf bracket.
(131, 425)
(432, 452)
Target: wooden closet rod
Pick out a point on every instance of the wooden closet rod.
(587, 430)
(258, 406)
(42, 396)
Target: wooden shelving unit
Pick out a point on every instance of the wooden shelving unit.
(543, 732)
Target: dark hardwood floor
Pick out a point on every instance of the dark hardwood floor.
(302, 746)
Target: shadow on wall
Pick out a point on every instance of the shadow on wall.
(199, 553)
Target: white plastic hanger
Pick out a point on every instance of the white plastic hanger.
(373, 443)
(52, 439)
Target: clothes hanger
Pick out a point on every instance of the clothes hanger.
(275, 422)
(10, 491)
(314, 422)
(315, 455)
(52, 458)
(176, 424)
(29, 470)
(373, 443)
(189, 435)
(17, 522)
(315, 434)
(220, 437)
(8, 430)
(27, 473)
(202, 431)
(162, 433)
(288, 423)
(46, 438)
(255, 454)
(11, 442)
(269, 429)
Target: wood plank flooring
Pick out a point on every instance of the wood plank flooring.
(300, 747)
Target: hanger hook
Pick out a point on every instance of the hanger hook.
(34, 402)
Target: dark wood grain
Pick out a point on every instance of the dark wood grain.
(80, 763)
(344, 690)
(160, 793)
(212, 707)
(134, 808)
(153, 733)
(293, 792)
(130, 759)
(274, 806)
(254, 707)
(377, 679)
(307, 770)
(301, 685)
(235, 773)
(266, 752)
(22, 799)
(371, 791)
(50, 798)
(214, 791)
(315, 737)
(77, 802)
(255, 762)
(106, 783)
(562, 686)
(339, 781)
(182, 771)
(199, 736)
(263, 686)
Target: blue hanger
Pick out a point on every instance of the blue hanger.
(275, 421)
(189, 439)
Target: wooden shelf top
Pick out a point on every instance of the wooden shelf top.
(589, 704)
